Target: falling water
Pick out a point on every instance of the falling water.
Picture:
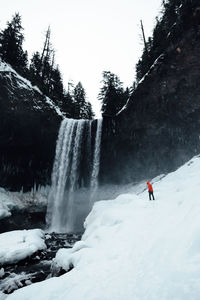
(96, 160)
(75, 173)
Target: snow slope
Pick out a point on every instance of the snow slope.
(133, 248)
(19, 244)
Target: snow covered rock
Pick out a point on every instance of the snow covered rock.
(19, 244)
(29, 123)
(15, 281)
(7, 203)
(26, 210)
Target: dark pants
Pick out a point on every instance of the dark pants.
(151, 194)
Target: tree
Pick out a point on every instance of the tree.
(89, 114)
(11, 40)
(67, 105)
(55, 85)
(79, 100)
(177, 17)
(112, 94)
(47, 58)
(44, 74)
(35, 68)
(82, 108)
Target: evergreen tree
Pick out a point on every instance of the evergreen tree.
(42, 70)
(55, 84)
(79, 101)
(47, 60)
(44, 74)
(177, 16)
(82, 109)
(67, 105)
(112, 94)
(11, 40)
(35, 70)
(89, 114)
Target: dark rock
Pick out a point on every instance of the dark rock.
(28, 133)
(160, 128)
(21, 219)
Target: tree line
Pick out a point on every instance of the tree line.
(177, 16)
(42, 70)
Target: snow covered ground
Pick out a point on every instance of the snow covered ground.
(20, 244)
(133, 248)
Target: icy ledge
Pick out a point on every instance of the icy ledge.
(20, 244)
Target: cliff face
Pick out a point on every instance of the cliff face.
(29, 123)
(159, 129)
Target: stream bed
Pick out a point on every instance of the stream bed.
(37, 267)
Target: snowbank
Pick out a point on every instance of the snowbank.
(133, 248)
(19, 244)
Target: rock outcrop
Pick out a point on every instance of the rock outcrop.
(159, 129)
(29, 124)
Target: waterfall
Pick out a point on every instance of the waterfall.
(75, 173)
(96, 160)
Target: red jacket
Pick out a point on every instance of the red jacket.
(150, 188)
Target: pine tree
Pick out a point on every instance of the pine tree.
(67, 105)
(79, 101)
(177, 17)
(112, 94)
(47, 59)
(88, 111)
(55, 84)
(35, 69)
(11, 40)
(44, 74)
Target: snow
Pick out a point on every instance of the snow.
(14, 281)
(4, 213)
(161, 56)
(133, 248)
(20, 244)
(56, 108)
(156, 62)
(2, 296)
(20, 200)
(123, 108)
(5, 204)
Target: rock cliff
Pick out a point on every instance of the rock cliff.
(159, 129)
(29, 123)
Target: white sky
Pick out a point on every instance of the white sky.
(89, 36)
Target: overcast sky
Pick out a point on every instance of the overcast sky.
(89, 36)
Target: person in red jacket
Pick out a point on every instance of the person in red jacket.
(150, 190)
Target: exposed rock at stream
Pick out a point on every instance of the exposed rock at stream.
(37, 267)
